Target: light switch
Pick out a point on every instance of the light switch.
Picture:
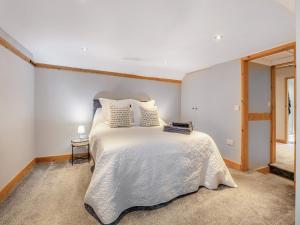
(230, 142)
(236, 108)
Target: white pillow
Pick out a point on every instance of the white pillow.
(149, 117)
(120, 117)
(136, 107)
(106, 103)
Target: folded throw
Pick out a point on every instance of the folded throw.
(181, 130)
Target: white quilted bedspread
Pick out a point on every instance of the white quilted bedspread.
(145, 166)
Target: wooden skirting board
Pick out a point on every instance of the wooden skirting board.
(24, 172)
(52, 158)
(18, 53)
(16, 180)
(232, 164)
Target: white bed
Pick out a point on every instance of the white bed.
(140, 166)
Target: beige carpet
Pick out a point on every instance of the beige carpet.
(285, 156)
(53, 195)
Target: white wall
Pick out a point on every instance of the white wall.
(16, 115)
(281, 74)
(64, 99)
(298, 116)
(215, 91)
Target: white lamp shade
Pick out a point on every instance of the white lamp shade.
(81, 129)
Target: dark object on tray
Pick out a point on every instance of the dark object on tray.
(182, 128)
(183, 124)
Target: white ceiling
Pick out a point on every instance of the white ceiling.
(164, 38)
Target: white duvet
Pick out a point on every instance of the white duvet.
(145, 166)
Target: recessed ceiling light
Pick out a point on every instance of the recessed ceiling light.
(84, 49)
(218, 37)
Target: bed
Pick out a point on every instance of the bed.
(141, 166)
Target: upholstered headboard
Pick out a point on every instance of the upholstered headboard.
(117, 96)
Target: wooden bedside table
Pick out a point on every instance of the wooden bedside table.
(77, 144)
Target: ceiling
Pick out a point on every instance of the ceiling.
(278, 58)
(163, 38)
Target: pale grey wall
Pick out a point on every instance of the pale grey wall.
(215, 91)
(298, 116)
(16, 115)
(259, 88)
(64, 100)
(259, 99)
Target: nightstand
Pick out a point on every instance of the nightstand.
(78, 144)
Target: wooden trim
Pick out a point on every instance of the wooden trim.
(244, 100)
(281, 141)
(273, 116)
(259, 116)
(102, 72)
(244, 115)
(16, 180)
(53, 158)
(264, 170)
(57, 158)
(24, 172)
(287, 64)
(17, 52)
(14, 50)
(272, 51)
(232, 164)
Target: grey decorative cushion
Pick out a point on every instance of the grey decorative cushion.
(149, 117)
(120, 117)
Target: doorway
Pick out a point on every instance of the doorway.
(285, 121)
(258, 124)
(290, 109)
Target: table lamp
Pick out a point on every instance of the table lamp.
(81, 131)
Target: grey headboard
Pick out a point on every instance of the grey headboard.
(96, 105)
(117, 96)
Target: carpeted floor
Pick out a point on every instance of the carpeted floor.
(53, 195)
(285, 156)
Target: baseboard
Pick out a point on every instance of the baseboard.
(281, 141)
(55, 158)
(264, 170)
(232, 164)
(16, 180)
(24, 172)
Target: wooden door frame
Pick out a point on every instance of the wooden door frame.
(245, 103)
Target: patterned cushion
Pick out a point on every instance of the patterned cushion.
(135, 105)
(106, 103)
(149, 117)
(120, 117)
